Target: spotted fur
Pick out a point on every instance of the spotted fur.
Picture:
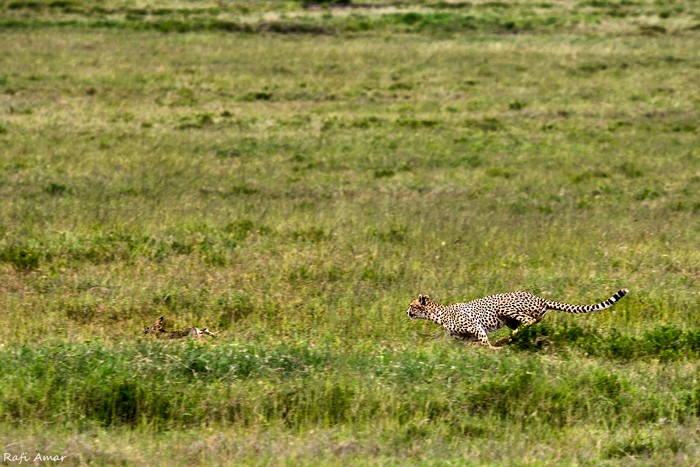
(158, 331)
(476, 319)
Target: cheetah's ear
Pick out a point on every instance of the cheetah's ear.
(423, 299)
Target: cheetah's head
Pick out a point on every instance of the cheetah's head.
(419, 307)
(156, 328)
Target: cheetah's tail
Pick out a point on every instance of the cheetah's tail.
(587, 308)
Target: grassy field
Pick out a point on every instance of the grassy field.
(292, 177)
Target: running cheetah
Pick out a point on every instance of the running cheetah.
(159, 331)
(474, 320)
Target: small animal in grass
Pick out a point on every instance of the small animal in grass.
(476, 319)
(158, 330)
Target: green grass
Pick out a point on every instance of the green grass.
(292, 177)
(403, 396)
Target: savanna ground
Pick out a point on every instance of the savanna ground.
(292, 177)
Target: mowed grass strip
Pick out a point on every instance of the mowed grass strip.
(332, 18)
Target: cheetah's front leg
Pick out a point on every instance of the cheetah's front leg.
(484, 338)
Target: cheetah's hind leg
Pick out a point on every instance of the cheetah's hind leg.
(525, 319)
(512, 323)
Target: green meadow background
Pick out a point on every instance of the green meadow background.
(292, 174)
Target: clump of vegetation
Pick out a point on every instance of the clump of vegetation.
(23, 257)
(664, 342)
